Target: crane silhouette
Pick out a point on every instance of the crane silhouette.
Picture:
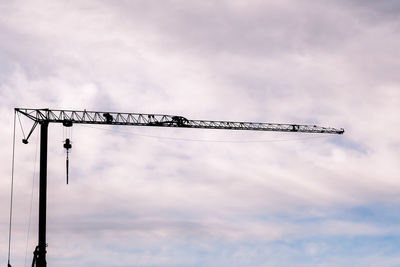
(68, 118)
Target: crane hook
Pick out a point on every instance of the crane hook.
(67, 146)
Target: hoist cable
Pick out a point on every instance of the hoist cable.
(33, 186)
(12, 192)
(67, 165)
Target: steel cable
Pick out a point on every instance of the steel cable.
(11, 193)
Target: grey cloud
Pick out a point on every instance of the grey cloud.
(377, 11)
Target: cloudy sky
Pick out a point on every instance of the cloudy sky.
(181, 197)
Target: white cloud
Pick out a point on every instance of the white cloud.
(303, 62)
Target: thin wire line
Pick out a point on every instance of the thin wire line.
(12, 191)
(204, 140)
(20, 124)
(30, 209)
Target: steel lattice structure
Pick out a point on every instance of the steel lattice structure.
(69, 117)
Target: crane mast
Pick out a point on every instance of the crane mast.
(44, 117)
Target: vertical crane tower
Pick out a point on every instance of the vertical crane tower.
(44, 117)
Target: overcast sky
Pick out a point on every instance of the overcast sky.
(181, 197)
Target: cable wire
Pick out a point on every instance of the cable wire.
(33, 186)
(20, 124)
(12, 192)
(205, 140)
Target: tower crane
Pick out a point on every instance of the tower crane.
(67, 118)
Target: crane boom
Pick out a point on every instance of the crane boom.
(69, 117)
